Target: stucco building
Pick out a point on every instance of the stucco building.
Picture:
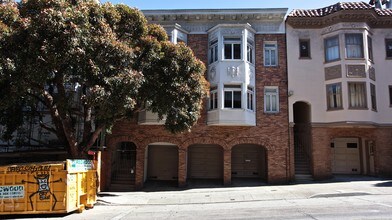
(340, 89)
(243, 131)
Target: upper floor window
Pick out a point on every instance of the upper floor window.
(357, 94)
(370, 47)
(232, 48)
(334, 96)
(390, 96)
(304, 48)
(373, 97)
(270, 54)
(354, 45)
(271, 99)
(213, 51)
(332, 49)
(232, 96)
(388, 47)
(249, 51)
(250, 96)
(213, 98)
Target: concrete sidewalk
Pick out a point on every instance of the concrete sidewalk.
(247, 191)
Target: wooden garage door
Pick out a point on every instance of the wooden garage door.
(162, 162)
(345, 156)
(247, 161)
(205, 162)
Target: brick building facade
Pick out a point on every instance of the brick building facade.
(243, 132)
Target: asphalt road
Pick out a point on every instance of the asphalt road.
(344, 198)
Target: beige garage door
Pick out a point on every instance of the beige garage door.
(345, 156)
(205, 162)
(248, 161)
(162, 162)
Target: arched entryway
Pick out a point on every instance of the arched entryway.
(123, 167)
(302, 140)
(205, 162)
(248, 161)
(162, 162)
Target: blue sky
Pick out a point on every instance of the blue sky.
(213, 4)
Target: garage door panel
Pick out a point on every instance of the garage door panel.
(345, 159)
(247, 161)
(162, 162)
(205, 162)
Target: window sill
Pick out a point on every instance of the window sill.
(388, 58)
(271, 113)
(361, 58)
(334, 109)
(358, 108)
(332, 61)
(304, 58)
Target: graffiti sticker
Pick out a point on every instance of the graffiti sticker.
(12, 192)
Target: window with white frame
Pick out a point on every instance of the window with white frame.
(332, 49)
(213, 51)
(304, 48)
(250, 98)
(354, 45)
(232, 96)
(271, 99)
(213, 98)
(249, 51)
(373, 98)
(357, 94)
(334, 96)
(232, 48)
(270, 54)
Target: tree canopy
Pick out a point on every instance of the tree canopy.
(80, 61)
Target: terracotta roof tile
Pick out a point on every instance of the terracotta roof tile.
(321, 12)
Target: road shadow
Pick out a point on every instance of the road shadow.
(35, 216)
(342, 178)
(384, 184)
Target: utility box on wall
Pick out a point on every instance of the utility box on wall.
(48, 188)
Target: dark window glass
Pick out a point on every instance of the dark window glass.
(228, 51)
(237, 99)
(228, 99)
(352, 145)
(304, 49)
(388, 47)
(237, 51)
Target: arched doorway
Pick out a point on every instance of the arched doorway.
(123, 167)
(302, 140)
(248, 161)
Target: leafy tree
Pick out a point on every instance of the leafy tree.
(83, 62)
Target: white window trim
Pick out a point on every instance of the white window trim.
(212, 54)
(213, 94)
(250, 44)
(276, 53)
(232, 43)
(250, 92)
(232, 90)
(277, 99)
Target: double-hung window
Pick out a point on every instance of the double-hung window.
(232, 48)
(271, 99)
(232, 96)
(388, 48)
(249, 51)
(373, 97)
(213, 51)
(354, 45)
(332, 49)
(370, 48)
(270, 54)
(334, 96)
(357, 94)
(213, 98)
(250, 100)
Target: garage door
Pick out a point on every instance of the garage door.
(162, 162)
(205, 162)
(248, 161)
(345, 156)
